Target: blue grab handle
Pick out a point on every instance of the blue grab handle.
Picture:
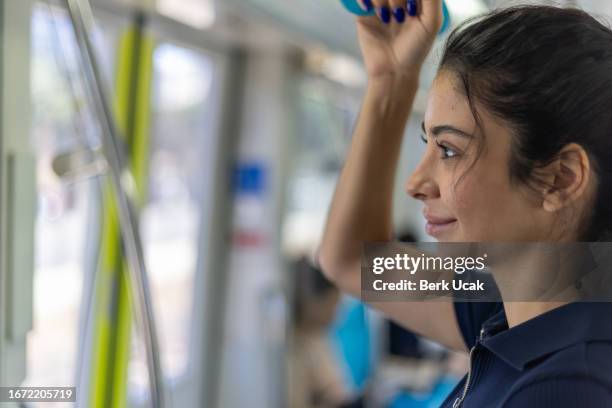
(353, 7)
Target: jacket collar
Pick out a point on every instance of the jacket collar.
(562, 327)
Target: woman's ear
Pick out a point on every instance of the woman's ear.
(568, 177)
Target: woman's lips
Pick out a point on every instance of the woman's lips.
(436, 226)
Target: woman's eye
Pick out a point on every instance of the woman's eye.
(447, 152)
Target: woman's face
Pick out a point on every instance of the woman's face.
(482, 206)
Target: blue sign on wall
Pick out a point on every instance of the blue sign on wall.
(249, 178)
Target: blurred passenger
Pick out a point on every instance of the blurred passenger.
(316, 377)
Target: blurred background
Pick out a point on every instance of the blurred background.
(236, 117)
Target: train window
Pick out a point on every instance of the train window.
(185, 101)
(61, 122)
(326, 113)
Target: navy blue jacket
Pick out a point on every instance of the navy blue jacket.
(560, 359)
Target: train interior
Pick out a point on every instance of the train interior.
(166, 167)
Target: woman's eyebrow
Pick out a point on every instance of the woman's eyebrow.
(436, 130)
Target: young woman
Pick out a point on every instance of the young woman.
(518, 130)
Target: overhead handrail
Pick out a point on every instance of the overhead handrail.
(123, 184)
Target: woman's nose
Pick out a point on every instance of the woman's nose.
(420, 185)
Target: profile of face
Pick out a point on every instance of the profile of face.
(468, 195)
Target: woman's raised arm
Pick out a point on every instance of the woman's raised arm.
(361, 209)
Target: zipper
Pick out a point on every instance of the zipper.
(466, 388)
(460, 399)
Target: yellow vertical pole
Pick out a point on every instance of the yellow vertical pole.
(113, 314)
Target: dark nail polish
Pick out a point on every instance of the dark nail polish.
(384, 14)
(400, 15)
(412, 8)
(368, 5)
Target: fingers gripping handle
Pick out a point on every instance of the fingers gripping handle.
(354, 7)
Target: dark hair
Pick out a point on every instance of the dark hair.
(547, 73)
(310, 285)
(406, 236)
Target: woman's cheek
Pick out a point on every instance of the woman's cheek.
(477, 206)
(466, 195)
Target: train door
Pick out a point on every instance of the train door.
(71, 323)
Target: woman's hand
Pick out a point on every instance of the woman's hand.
(395, 43)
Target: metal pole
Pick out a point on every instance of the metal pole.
(124, 188)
